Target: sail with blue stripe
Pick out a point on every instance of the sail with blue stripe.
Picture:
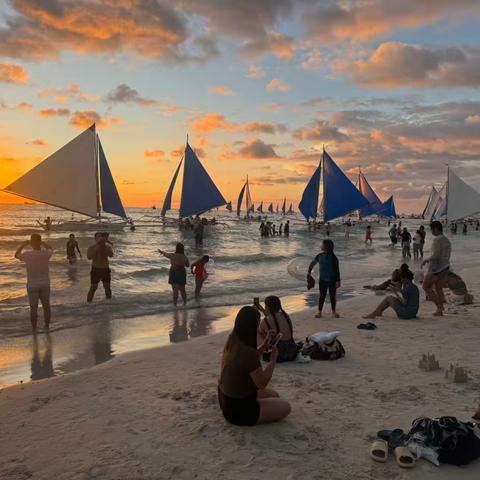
(167, 204)
(340, 196)
(199, 193)
(309, 203)
(240, 199)
(111, 202)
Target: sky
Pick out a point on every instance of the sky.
(258, 86)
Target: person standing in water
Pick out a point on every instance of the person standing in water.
(286, 229)
(38, 277)
(72, 248)
(423, 233)
(48, 224)
(177, 276)
(99, 253)
(329, 276)
(200, 272)
(368, 235)
(439, 266)
(198, 232)
(280, 230)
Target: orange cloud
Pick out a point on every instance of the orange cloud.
(395, 64)
(38, 142)
(270, 107)
(154, 154)
(54, 112)
(61, 95)
(264, 127)
(13, 73)
(85, 118)
(254, 71)
(278, 86)
(211, 122)
(222, 90)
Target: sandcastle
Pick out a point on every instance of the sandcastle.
(428, 363)
(456, 374)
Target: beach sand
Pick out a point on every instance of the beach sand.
(154, 414)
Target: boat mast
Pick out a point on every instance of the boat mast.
(323, 180)
(446, 195)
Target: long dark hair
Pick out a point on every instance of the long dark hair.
(274, 306)
(406, 273)
(245, 328)
(179, 248)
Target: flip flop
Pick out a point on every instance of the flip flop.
(404, 457)
(367, 326)
(379, 451)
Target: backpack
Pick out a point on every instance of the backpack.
(324, 351)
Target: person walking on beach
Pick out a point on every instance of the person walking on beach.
(38, 277)
(328, 228)
(99, 253)
(286, 229)
(368, 235)
(329, 276)
(177, 276)
(243, 395)
(392, 233)
(439, 266)
(423, 233)
(200, 272)
(406, 241)
(72, 248)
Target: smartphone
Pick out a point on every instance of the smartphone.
(256, 300)
(274, 339)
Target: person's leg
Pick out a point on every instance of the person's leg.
(108, 289)
(384, 304)
(323, 286)
(273, 410)
(33, 296)
(45, 299)
(91, 292)
(332, 291)
(429, 285)
(175, 294)
(183, 293)
(267, 393)
(198, 287)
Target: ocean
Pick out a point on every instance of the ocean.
(141, 314)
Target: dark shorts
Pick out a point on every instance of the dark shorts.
(177, 276)
(98, 275)
(240, 411)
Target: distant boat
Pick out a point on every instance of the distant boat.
(244, 194)
(270, 208)
(76, 178)
(340, 196)
(277, 208)
(290, 209)
(199, 192)
(461, 200)
(284, 206)
(229, 206)
(375, 205)
(260, 208)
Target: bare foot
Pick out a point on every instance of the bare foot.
(335, 315)
(318, 315)
(370, 316)
(438, 313)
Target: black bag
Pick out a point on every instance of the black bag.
(325, 351)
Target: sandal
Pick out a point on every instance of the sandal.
(404, 457)
(379, 451)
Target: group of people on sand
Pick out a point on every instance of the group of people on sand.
(37, 258)
(177, 276)
(269, 229)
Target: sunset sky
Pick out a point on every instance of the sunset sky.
(259, 86)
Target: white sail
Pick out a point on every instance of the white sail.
(463, 200)
(66, 179)
(434, 202)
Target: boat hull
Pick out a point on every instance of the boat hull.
(87, 226)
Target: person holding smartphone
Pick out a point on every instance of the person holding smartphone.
(242, 389)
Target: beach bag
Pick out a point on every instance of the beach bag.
(332, 350)
(310, 282)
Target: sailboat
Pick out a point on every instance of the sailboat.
(277, 208)
(389, 208)
(290, 209)
(270, 208)
(75, 178)
(199, 192)
(375, 205)
(244, 193)
(284, 206)
(260, 208)
(461, 200)
(229, 206)
(340, 196)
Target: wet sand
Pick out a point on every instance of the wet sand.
(153, 414)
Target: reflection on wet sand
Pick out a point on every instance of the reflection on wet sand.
(200, 324)
(42, 365)
(179, 332)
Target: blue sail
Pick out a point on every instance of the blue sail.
(375, 205)
(260, 208)
(167, 204)
(270, 208)
(340, 196)
(389, 208)
(229, 206)
(309, 203)
(240, 199)
(199, 193)
(111, 202)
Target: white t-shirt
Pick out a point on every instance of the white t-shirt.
(36, 262)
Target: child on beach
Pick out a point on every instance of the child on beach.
(72, 248)
(199, 271)
(329, 276)
(368, 235)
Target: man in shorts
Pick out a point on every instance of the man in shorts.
(99, 254)
(38, 277)
(439, 266)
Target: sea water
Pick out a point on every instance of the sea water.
(141, 313)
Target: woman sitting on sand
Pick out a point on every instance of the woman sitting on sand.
(395, 281)
(405, 302)
(277, 321)
(242, 393)
(177, 276)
